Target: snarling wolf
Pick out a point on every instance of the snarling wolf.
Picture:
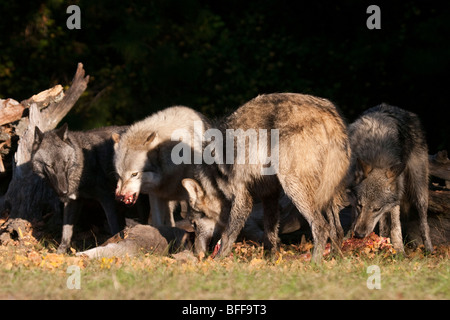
(390, 172)
(309, 160)
(144, 164)
(78, 165)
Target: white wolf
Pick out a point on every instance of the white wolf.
(143, 160)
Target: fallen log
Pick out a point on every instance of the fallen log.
(439, 165)
(10, 110)
(439, 201)
(439, 197)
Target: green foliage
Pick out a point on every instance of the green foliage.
(213, 56)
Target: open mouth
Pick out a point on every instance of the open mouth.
(128, 200)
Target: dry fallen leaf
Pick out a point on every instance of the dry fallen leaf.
(369, 245)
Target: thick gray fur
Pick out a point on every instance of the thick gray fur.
(389, 172)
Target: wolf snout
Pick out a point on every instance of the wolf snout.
(359, 234)
(63, 195)
(128, 199)
(119, 197)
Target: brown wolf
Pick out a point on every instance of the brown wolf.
(390, 172)
(309, 158)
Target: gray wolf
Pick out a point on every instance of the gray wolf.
(203, 210)
(78, 165)
(389, 172)
(313, 159)
(143, 161)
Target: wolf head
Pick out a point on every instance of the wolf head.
(143, 154)
(204, 215)
(133, 163)
(374, 193)
(55, 159)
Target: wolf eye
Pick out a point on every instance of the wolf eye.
(376, 209)
(134, 174)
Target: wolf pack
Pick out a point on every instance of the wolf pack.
(217, 172)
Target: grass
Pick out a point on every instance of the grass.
(34, 272)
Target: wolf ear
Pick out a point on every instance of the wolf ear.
(195, 191)
(150, 139)
(394, 171)
(363, 167)
(62, 132)
(38, 135)
(116, 137)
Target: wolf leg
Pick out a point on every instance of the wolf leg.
(320, 231)
(419, 194)
(159, 211)
(422, 208)
(336, 231)
(302, 200)
(425, 230)
(354, 216)
(172, 206)
(384, 225)
(396, 230)
(239, 213)
(271, 222)
(71, 210)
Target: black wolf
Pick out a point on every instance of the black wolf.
(78, 165)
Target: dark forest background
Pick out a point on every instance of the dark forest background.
(213, 56)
